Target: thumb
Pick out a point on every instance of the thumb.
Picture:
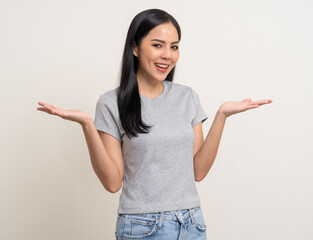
(247, 100)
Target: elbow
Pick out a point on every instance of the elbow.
(198, 179)
(113, 188)
(200, 176)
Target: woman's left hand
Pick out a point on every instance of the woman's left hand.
(230, 108)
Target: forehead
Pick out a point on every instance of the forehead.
(164, 31)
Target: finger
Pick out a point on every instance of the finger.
(42, 103)
(251, 107)
(44, 110)
(266, 100)
(247, 100)
(46, 105)
(262, 102)
(51, 106)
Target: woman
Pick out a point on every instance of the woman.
(147, 136)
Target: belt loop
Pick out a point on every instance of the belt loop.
(191, 216)
(160, 220)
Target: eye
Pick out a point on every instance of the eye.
(157, 45)
(175, 47)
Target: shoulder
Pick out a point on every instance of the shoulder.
(182, 91)
(109, 99)
(109, 96)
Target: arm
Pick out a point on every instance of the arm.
(205, 153)
(104, 150)
(205, 156)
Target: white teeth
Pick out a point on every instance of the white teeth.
(162, 66)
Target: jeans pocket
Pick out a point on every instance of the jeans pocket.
(136, 227)
(199, 220)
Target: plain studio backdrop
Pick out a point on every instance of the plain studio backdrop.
(68, 53)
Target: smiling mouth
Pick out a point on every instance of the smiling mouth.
(163, 66)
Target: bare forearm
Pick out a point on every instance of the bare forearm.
(204, 158)
(104, 167)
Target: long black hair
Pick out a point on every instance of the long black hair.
(129, 104)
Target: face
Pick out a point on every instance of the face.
(157, 53)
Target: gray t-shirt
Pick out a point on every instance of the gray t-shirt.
(158, 166)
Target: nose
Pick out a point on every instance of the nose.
(166, 53)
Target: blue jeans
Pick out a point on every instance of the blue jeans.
(185, 224)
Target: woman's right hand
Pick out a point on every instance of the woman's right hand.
(73, 115)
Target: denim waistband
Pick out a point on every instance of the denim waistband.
(175, 215)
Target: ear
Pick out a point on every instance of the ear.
(135, 50)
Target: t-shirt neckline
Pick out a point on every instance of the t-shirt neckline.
(158, 97)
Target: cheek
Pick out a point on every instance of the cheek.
(176, 57)
(149, 52)
(154, 55)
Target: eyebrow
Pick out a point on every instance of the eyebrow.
(158, 40)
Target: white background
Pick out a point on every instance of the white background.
(68, 52)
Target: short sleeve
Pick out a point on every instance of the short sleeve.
(106, 117)
(199, 114)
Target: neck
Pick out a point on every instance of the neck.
(150, 89)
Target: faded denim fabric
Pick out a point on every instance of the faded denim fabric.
(185, 224)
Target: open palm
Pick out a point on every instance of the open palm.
(230, 108)
(72, 115)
